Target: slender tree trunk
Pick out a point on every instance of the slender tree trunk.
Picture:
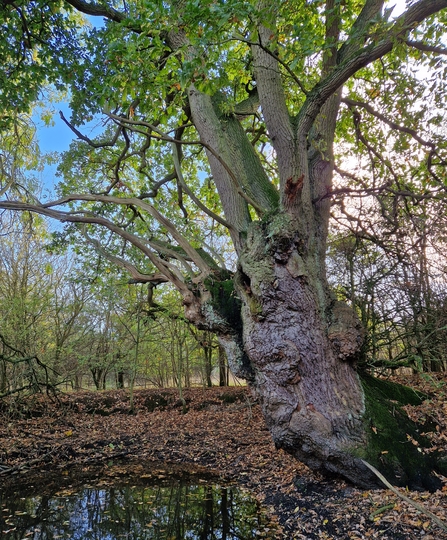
(120, 379)
(77, 385)
(223, 368)
(96, 374)
(224, 511)
(3, 376)
(186, 366)
(208, 358)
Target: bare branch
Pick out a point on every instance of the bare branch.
(416, 505)
(164, 137)
(111, 143)
(156, 279)
(137, 276)
(184, 185)
(172, 274)
(352, 103)
(153, 192)
(89, 141)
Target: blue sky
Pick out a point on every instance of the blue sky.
(58, 136)
(55, 138)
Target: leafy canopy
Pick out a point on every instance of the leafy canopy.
(146, 175)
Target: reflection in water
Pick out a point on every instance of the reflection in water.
(173, 512)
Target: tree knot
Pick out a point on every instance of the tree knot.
(345, 332)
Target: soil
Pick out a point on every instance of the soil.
(221, 433)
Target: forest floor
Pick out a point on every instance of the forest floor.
(222, 434)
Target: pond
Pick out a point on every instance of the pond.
(108, 509)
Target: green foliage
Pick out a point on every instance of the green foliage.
(128, 68)
(32, 36)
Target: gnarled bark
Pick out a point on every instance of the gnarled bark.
(303, 358)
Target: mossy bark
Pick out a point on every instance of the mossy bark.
(302, 346)
(216, 307)
(297, 347)
(395, 444)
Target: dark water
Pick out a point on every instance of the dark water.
(176, 511)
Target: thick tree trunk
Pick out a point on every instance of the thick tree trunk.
(303, 356)
(311, 395)
(282, 331)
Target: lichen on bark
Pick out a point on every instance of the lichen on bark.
(222, 311)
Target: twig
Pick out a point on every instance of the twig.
(416, 505)
(4, 469)
(28, 464)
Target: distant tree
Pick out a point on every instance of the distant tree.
(26, 303)
(222, 116)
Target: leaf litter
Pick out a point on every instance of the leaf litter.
(222, 435)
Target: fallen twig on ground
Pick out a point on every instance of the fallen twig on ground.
(416, 505)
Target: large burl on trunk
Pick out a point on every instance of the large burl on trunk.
(302, 346)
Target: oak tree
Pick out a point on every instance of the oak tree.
(222, 115)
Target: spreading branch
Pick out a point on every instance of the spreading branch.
(171, 273)
(151, 210)
(426, 48)
(161, 136)
(365, 56)
(273, 102)
(97, 10)
(136, 275)
(184, 185)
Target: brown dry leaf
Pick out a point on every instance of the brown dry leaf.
(223, 432)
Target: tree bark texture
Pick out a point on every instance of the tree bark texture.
(303, 355)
